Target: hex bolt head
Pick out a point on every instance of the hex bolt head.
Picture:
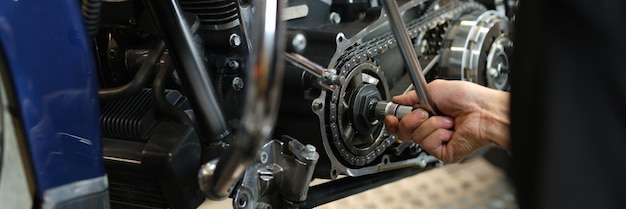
(310, 148)
(299, 42)
(317, 105)
(234, 40)
(335, 18)
(233, 64)
(237, 83)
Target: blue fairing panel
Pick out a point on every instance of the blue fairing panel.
(52, 69)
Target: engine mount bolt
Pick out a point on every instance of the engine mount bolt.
(233, 64)
(309, 152)
(299, 42)
(235, 40)
(310, 148)
(335, 18)
(317, 105)
(237, 83)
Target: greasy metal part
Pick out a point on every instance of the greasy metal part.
(410, 57)
(145, 73)
(478, 43)
(384, 108)
(262, 97)
(286, 167)
(188, 59)
(498, 63)
(327, 78)
(356, 146)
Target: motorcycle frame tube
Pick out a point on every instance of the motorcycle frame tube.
(52, 72)
(170, 22)
(262, 98)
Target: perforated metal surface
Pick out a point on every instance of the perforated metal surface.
(475, 184)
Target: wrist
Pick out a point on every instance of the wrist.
(495, 117)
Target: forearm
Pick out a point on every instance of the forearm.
(495, 118)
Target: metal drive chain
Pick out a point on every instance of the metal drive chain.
(365, 52)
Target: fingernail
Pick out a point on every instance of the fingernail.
(447, 120)
(423, 113)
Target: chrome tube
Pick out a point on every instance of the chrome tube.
(262, 100)
(408, 54)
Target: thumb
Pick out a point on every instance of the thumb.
(409, 98)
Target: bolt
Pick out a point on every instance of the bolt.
(237, 83)
(386, 135)
(132, 21)
(310, 148)
(493, 72)
(112, 53)
(264, 157)
(233, 64)
(334, 18)
(309, 152)
(317, 105)
(235, 40)
(298, 42)
(242, 201)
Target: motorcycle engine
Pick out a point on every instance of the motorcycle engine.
(323, 129)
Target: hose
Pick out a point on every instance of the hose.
(158, 94)
(146, 72)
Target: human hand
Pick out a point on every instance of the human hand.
(474, 116)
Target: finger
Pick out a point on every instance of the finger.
(430, 125)
(436, 142)
(410, 122)
(409, 98)
(391, 124)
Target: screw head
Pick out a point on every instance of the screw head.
(237, 83)
(233, 64)
(335, 18)
(234, 40)
(299, 42)
(317, 105)
(310, 148)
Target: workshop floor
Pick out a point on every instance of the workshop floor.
(475, 184)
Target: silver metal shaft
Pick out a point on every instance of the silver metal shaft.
(410, 57)
(265, 73)
(384, 108)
